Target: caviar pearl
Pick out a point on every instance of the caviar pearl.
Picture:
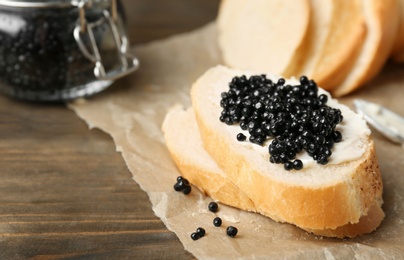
(177, 187)
(304, 80)
(231, 231)
(200, 231)
(182, 185)
(288, 165)
(297, 164)
(187, 190)
(213, 207)
(241, 137)
(337, 136)
(195, 236)
(217, 222)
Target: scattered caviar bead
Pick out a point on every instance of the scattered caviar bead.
(187, 190)
(217, 222)
(200, 231)
(182, 185)
(177, 187)
(213, 207)
(231, 231)
(241, 137)
(297, 164)
(195, 236)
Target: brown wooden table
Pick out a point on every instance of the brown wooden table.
(64, 190)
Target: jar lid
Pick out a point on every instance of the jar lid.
(47, 3)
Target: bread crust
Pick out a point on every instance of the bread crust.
(313, 208)
(365, 225)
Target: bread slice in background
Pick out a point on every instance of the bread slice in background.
(346, 32)
(183, 140)
(308, 53)
(286, 37)
(261, 34)
(382, 21)
(397, 53)
(314, 198)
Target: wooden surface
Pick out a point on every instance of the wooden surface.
(64, 190)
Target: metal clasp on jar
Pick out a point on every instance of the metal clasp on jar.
(128, 62)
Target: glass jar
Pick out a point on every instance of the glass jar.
(61, 49)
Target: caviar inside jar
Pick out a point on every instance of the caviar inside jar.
(40, 58)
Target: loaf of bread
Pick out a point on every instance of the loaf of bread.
(342, 44)
(340, 199)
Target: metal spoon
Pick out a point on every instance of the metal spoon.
(390, 124)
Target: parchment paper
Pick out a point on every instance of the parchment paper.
(132, 112)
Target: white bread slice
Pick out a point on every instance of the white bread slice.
(261, 34)
(314, 198)
(183, 140)
(344, 40)
(397, 53)
(382, 19)
(308, 53)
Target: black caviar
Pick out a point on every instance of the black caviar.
(39, 56)
(182, 185)
(295, 116)
(241, 137)
(231, 231)
(213, 207)
(200, 232)
(195, 236)
(217, 222)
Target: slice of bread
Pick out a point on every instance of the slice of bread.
(344, 40)
(397, 53)
(317, 197)
(183, 140)
(260, 34)
(308, 53)
(382, 20)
